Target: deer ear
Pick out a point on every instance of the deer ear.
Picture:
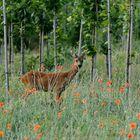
(74, 55)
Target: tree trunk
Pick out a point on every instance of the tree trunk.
(6, 51)
(12, 51)
(129, 48)
(22, 48)
(9, 43)
(93, 67)
(54, 41)
(94, 44)
(109, 44)
(48, 46)
(80, 38)
(106, 58)
(42, 46)
(1, 54)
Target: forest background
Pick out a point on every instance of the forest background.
(103, 102)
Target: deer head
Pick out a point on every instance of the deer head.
(78, 60)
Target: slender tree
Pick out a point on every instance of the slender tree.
(42, 38)
(48, 46)
(41, 45)
(109, 43)
(94, 42)
(22, 48)
(54, 40)
(5, 46)
(12, 50)
(129, 47)
(1, 53)
(80, 37)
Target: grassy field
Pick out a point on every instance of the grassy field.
(90, 110)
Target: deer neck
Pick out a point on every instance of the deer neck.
(73, 72)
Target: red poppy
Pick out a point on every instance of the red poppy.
(127, 85)
(36, 127)
(109, 83)
(133, 125)
(138, 116)
(122, 89)
(2, 134)
(38, 136)
(100, 81)
(26, 138)
(1, 104)
(8, 126)
(130, 135)
(118, 102)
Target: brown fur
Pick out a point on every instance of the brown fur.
(55, 82)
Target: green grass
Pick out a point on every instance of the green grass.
(98, 118)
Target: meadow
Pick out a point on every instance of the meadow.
(95, 110)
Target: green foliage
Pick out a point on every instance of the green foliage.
(49, 63)
(32, 63)
(38, 14)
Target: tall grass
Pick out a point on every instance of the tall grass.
(89, 111)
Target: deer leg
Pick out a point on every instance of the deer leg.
(29, 91)
(58, 97)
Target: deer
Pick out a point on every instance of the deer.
(55, 82)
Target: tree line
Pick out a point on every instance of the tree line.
(60, 26)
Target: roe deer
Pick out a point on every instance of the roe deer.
(55, 82)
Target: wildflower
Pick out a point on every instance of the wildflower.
(39, 135)
(127, 85)
(130, 135)
(36, 127)
(76, 94)
(59, 114)
(26, 138)
(122, 89)
(109, 83)
(118, 102)
(100, 81)
(101, 125)
(84, 101)
(138, 116)
(133, 125)
(1, 104)
(9, 126)
(2, 134)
